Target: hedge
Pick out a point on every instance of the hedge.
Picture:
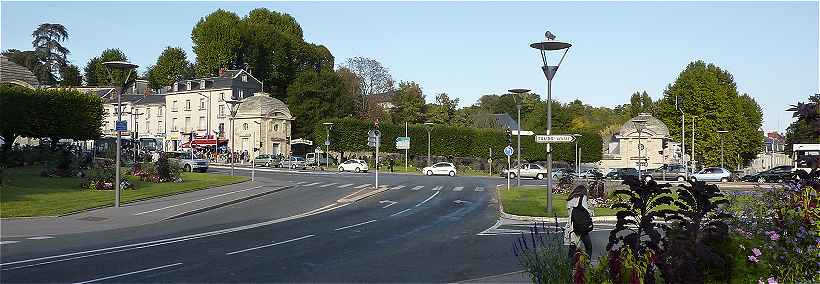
(350, 135)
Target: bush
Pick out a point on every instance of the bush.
(543, 254)
(166, 170)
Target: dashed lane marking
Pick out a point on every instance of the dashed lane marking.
(362, 186)
(270, 245)
(355, 225)
(399, 213)
(130, 273)
(312, 184)
(345, 185)
(417, 187)
(479, 189)
(458, 188)
(8, 242)
(437, 188)
(329, 184)
(398, 187)
(41, 238)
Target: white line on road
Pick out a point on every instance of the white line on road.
(428, 198)
(8, 242)
(362, 186)
(389, 203)
(198, 200)
(301, 182)
(41, 238)
(417, 187)
(351, 226)
(398, 213)
(479, 189)
(270, 245)
(437, 188)
(458, 188)
(345, 185)
(398, 187)
(130, 273)
(312, 184)
(329, 184)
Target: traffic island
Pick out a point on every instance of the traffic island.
(528, 203)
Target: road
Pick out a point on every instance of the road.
(422, 229)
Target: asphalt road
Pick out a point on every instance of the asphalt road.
(423, 229)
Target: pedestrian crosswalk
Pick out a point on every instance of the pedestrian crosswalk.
(331, 185)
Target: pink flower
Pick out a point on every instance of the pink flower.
(752, 258)
(771, 280)
(774, 236)
(756, 252)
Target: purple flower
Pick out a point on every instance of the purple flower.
(771, 280)
(774, 236)
(756, 252)
(752, 258)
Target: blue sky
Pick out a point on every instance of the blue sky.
(468, 49)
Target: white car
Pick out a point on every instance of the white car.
(353, 165)
(712, 174)
(442, 168)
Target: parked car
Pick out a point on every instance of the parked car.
(266, 160)
(667, 172)
(311, 159)
(442, 168)
(183, 159)
(590, 174)
(712, 174)
(621, 173)
(353, 165)
(776, 174)
(528, 170)
(558, 173)
(293, 163)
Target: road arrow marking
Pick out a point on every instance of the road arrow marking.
(428, 198)
(459, 201)
(437, 188)
(389, 203)
(398, 187)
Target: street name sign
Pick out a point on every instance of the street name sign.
(554, 139)
(639, 158)
(122, 125)
(402, 143)
(508, 151)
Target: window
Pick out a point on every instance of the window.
(202, 84)
(244, 78)
(176, 87)
(160, 111)
(221, 110)
(174, 106)
(221, 128)
(202, 123)
(244, 126)
(188, 85)
(159, 127)
(174, 124)
(187, 104)
(148, 114)
(201, 103)
(276, 127)
(187, 124)
(241, 93)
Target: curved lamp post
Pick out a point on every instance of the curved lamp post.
(640, 125)
(550, 45)
(577, 155)
(517, 96)
(127, 67)
(429, 126)
(234, 108)
(328, 127)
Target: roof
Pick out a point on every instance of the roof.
(653, 128)
(226, 80)
(496, 121)
(262, 104)
(14, 73)
(381, 97)
(152, 100)
(125, 99)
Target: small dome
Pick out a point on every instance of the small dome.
(654, 127)
(262, 104)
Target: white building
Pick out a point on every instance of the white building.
(657, 150)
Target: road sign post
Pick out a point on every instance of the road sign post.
(373, 140)
(554, 139)
(509, 152)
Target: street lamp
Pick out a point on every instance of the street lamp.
(208, 113)
(517, 96)
(429, 126)
(234, 108)
(328, 127)
(692, 159)
(127, 67)
(721, 132)
(547, 46)
(577, 155)
(640, 124)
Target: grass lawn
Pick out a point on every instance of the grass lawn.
(25, 193)
(531, 201)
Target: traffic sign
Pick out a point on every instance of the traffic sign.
(122, 125)
(402, 143)
(508, 151)
(554, 138)
(639, 158)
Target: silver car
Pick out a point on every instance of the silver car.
(183, 159)
(293, 163)
(712, 174)
(528, 170)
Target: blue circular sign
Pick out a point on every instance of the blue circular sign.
(508, 151)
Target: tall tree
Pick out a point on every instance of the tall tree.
(351, 88)
(171, 66)
(408, 102)
(320, 96)
(443, 111)
(47, 44)
(90, 71)
(96, 73)
(373, 77)
(70, 76)
(806, 129)
(29, 59)
(217, 43)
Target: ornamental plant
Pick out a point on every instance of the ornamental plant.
(543, 254)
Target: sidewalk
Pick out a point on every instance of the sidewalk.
(512, 277)
(139, 213)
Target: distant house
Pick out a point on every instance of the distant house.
(383, 100)
(498, 121)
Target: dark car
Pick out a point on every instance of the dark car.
(667, 172)
(621, 173)
(776, 174)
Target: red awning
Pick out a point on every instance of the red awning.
(206, 141)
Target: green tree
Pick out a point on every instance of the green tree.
(47, 44)
(216, 40)
(806, 129)
(372, 76)
(90, 71)
(70, 76)
(171, 66)
(710, 93)
(443, 111)
(28, 59)
(315, 96)
(409, 102)
(16, 108)
(96, 73)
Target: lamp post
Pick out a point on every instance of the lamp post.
(517, 96)
(721, 132)
(429, 126)
(208, 118)
(639, 126)
(678, 105)
(126, 67)
(234, 108)
(577, 155)
(692, 168)
(545, 47)
(328, 127)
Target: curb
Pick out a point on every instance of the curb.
(505, 215)
(230, 202)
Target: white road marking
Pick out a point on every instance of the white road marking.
(389, 203)
(417, 187)
(397, 213)
(345, 185)
(41, 238)
(436, 188)
(301, 182)
(329, 184)
(398, 187)
(312, 184)
(362, 186)
(479, 189)
(459, 201)
(198, 200)
(8, 242)
(130, 273)
(458, 188)
(351, 226)
(270, 245)
(428, 198)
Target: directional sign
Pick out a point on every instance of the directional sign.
(639, 158)
(327, 142)
(122, 125)
(508, 151)
(402, 143)
(554, 138)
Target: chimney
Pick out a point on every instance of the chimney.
(221, 71)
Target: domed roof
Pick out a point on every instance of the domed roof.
(653, 127)
(262, 104)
